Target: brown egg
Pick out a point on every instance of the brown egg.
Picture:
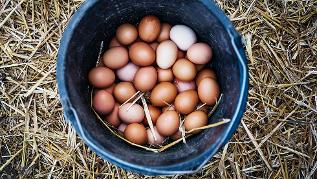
(136, 133)
(208, 91)
(165, 75)
(122, 127)
(149, 28)
(194, 120)
(113, 117)
(114, 43)
(126, 34)
(164, 92)
(168, 108)
(101, 77)
(186, 102)
(168, 123)
(145, 79)
(142, 54)
(180, 54)
(184, 85)
(159, 138)
(115, 57)
(199, 53)
(154, 113)
(184, 70)
(205, 73)
(134, 114)
(103, 102)
(177, 135)
(111, 88)
(165, 32)
(154, 45)
(123, 91)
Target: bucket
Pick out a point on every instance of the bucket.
(95, 23)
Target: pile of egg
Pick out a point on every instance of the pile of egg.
(164, 66)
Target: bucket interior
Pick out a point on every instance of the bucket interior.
(99, 24)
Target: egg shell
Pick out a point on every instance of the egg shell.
(142, 54)
(145, 79)
(168, 108)
(154, 45)
(164, 92)
(184, 85)
(101, 77)
(154, 113)
(165, 32)
(166, 54)
(199, 53)
(194, 120)
(123, 91)
(126, 34)
(122, 127)
(115, 57)
(186, 102)
(114, 43)
(208, 91)
(127, 72)
(183, 36)
(165, 75)
(205, 73)
(136, 133)
(184, 70)
(134, 115)
(113, 117)
(159, 138)
(168, 123)
(149, 28)
(103, 102)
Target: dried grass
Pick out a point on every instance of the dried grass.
(278, 135)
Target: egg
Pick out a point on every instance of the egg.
(134, 115)
(168, 108)
(183, 36)
(110, 89)
(180, 54)
(199, 53)
(186, 102)
(127, 72)
(145, 79)
(177, 135)
(154, 45)
(115, 57)
(123, 91)
(154, 113)
(149, 28)
(136, 133)
(205, 73)
(166, 54)
(184, 85)
(103, 102)
(113, 117)
(184, 70)
(194, 120)
(159, 138)
(122, 127)
(168, 123)
(208, 91)
(142, 54)
(101, 77)
(165, 75)
(165, 32)
(114, 43)
(126, 34)
(164, 92)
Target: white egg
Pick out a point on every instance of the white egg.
(166, 54)
(127, 72)
(183, 36)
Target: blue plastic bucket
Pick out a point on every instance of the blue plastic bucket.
(96, 21)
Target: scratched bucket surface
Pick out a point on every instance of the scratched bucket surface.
(96, 21)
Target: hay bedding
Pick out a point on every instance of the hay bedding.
(276, 139)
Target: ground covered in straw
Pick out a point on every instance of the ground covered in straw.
(276, 139)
